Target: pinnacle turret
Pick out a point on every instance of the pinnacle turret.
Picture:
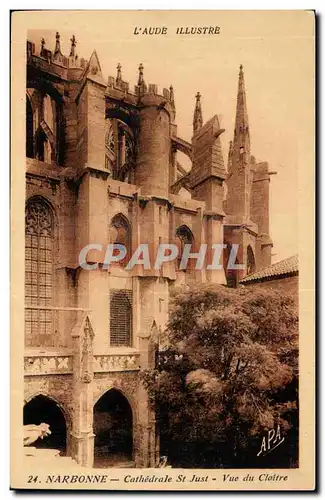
(197, 118)
(42, 46)
(141, 81)
(172, 99)
(73, 46)
(119, 74)
(57, 49)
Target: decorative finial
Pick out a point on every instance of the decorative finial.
(241, 67)
(197, 119)
(119, 73)
(42, 47)
(73, 46)
(172, 99)
(141, 79)
(57, 43)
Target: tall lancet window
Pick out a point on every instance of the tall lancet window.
(39, 273)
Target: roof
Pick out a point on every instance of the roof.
(281, 269)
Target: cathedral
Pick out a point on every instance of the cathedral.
(101, 168)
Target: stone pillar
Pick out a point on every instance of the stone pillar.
(215, 237)
(82, 436)
(145, 449)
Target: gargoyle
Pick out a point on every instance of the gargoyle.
(32, 432)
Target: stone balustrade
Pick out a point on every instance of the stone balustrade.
(116, 362)
(47, 364)
(61, 364)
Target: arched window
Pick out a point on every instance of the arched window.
(44, 126)
(120, 233)
(120, 150)
(250, 267)
(121, 318)
(184, 237)
(39, 241)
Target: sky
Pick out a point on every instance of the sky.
(277, 52)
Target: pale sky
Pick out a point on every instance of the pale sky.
(277, 52)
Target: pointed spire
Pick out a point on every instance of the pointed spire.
(241, 137)
(197, 119)
(172, 99)
(239, 183)
(57, 44)
(141, 79)
(119, 74)
(73, 46)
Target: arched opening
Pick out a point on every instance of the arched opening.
(43, 409)
(43, 148)
(232, 276)
(29, 130)
(44, 113)
(250, 261)
(120, 150)
(113, 430)
(184, 237)
(120, 234)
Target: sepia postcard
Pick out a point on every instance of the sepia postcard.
(162, 250)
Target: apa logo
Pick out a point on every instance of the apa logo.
(271, 441)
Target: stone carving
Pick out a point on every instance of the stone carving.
(33, 432)
(42, 365)
(122, 362)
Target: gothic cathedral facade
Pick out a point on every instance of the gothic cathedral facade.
(101, 167)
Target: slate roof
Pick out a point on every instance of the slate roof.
(282, 269)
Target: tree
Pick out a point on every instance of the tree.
(227, 373)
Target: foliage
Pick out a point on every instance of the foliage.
(223, 378)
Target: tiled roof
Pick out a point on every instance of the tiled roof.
(286, 267)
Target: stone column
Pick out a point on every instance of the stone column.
(145, 452)
(82, 436)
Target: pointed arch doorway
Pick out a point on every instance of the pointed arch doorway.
(44, 409)
(113, 429)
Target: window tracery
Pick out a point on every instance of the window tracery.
(38, 272)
